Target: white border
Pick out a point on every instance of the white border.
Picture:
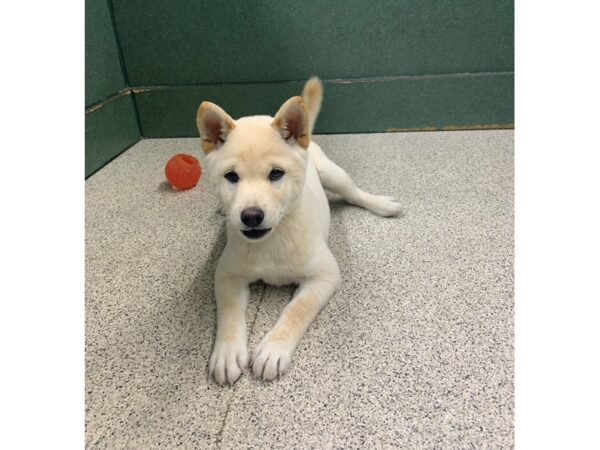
(42, 208)
(557, 225)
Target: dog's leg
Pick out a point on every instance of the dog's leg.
(273, 354)
(230, 355)
(335, 179)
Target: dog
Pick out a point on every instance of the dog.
(270, 179)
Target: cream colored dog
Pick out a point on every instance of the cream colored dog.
(270, 178)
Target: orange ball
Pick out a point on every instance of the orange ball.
(183, 171)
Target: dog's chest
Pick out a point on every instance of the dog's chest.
(281, 263)
(273, 273)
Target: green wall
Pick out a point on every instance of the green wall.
(186, 42)
(110, 117)
(387, 65)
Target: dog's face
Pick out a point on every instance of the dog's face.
(256, 164)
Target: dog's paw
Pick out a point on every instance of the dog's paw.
(271, 359)
(383, 205)
(228, 361)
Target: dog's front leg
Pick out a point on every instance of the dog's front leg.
(274, 353)
(230, 355)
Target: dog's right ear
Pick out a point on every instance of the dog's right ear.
(214, 126)
(291, 121)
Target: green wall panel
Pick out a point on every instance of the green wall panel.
(362, 106)
(183, 42)
(103, 74)
(109, 130)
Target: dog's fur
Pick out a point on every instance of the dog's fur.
(295, 210)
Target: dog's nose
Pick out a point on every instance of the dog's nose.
(252, 217)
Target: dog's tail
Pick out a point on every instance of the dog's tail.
(313, 96)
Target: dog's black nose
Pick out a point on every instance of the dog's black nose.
(252, 217)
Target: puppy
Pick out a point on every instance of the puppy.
(270, 176)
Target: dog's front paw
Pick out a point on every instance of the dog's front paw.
(228, 361)
(271, 358)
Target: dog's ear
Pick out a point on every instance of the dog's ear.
(214, 125)
(292, 121)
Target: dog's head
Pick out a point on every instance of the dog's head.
(256, 164)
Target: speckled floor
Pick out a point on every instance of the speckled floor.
(414, 352)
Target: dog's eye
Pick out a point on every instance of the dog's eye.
(232, 177)
(276, 174)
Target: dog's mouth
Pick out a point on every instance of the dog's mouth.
(255, 233)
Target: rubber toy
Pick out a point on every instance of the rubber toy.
(183, 171)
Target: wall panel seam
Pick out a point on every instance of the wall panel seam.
(458, 75)
(123, 68)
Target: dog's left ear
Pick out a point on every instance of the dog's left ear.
(291, 121)
(214, 125)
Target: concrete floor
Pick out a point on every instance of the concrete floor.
(415, 351)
